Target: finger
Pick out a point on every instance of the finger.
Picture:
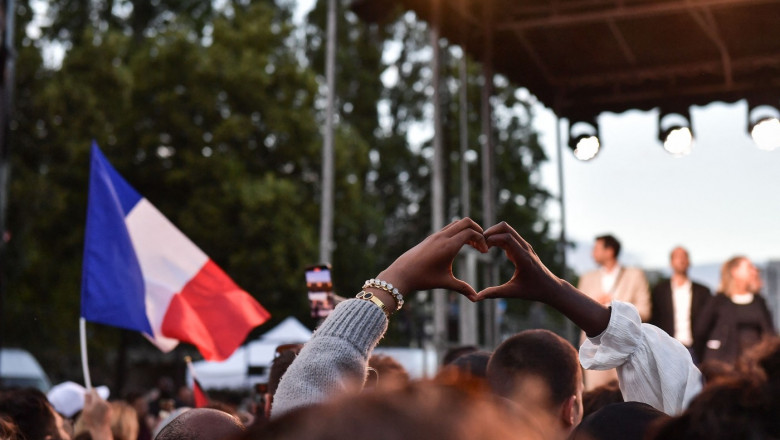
(450, 225)
(502, 291)
(504, 228)
(88, 397)
(498, 228)
(462, 224)
(463, 288)
(473, 238)
(508, 243)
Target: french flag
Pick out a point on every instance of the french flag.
(141, 273)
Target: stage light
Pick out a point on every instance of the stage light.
(679, 142)
(584, 140)
(674, 131)
(587, 147)
(764, 125)
(766, 134)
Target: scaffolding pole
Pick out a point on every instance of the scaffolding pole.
(326, 209)
(8, 66)
(440, 336)
(490, 273)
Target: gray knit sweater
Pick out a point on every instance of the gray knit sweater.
(335, 360)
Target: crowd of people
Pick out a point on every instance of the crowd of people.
(703, 367)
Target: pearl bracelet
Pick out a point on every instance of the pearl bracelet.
(387, 287)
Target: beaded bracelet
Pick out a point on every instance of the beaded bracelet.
(368, 296)
(387, 287)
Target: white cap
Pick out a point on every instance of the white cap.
(67, 398)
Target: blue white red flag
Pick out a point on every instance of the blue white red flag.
(141, 273)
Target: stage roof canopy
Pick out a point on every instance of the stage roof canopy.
(584, 57)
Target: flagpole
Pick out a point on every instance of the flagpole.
(190, 368)
(84, 363)
(199, 396)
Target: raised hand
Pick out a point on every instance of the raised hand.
(531, 278)
(533, 281)
(429, 264)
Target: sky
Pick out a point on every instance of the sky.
(721, 200)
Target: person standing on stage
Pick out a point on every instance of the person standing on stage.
(736, 318)
(612, 281)
(678, 302)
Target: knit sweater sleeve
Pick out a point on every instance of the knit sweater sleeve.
(335, 360)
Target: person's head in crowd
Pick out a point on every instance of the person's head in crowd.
(600, 397)
(138, 401)
(737, 403)
(540, 371)
(283, 358)
(455, 352)
(124, 421)
(606, 250)
(33, 415)
(140, 404)
(739, 275)
(8, 429)
(472, 364)
(223, 406)
(391, 375)
(618, 421)
(737, 409)
(420, 411)
(165, 387)
(762, 361)
(201, 424)
(714, 371)
(162, 401)
(184, 396)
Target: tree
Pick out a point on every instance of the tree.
(214, 115)
(219, 134)
(385, 112)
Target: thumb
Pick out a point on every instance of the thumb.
(463, 288)
(502, 291)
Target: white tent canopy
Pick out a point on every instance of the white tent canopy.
(289, 331)
(250, 364)
(256, 356)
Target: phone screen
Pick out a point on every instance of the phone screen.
(320, 288)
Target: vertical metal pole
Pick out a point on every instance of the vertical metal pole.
(561, 199)
(437, 178)
(571, 331)
(8, 58)
(467, 318)
(326, 210)
(488, 180)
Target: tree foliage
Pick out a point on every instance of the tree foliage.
(214, 114)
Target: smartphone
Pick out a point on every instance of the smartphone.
(320, 288)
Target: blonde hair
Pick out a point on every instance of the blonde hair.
(124, 421)
(726, 278)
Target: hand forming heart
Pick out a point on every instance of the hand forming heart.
(429, 264)
(531, 278)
